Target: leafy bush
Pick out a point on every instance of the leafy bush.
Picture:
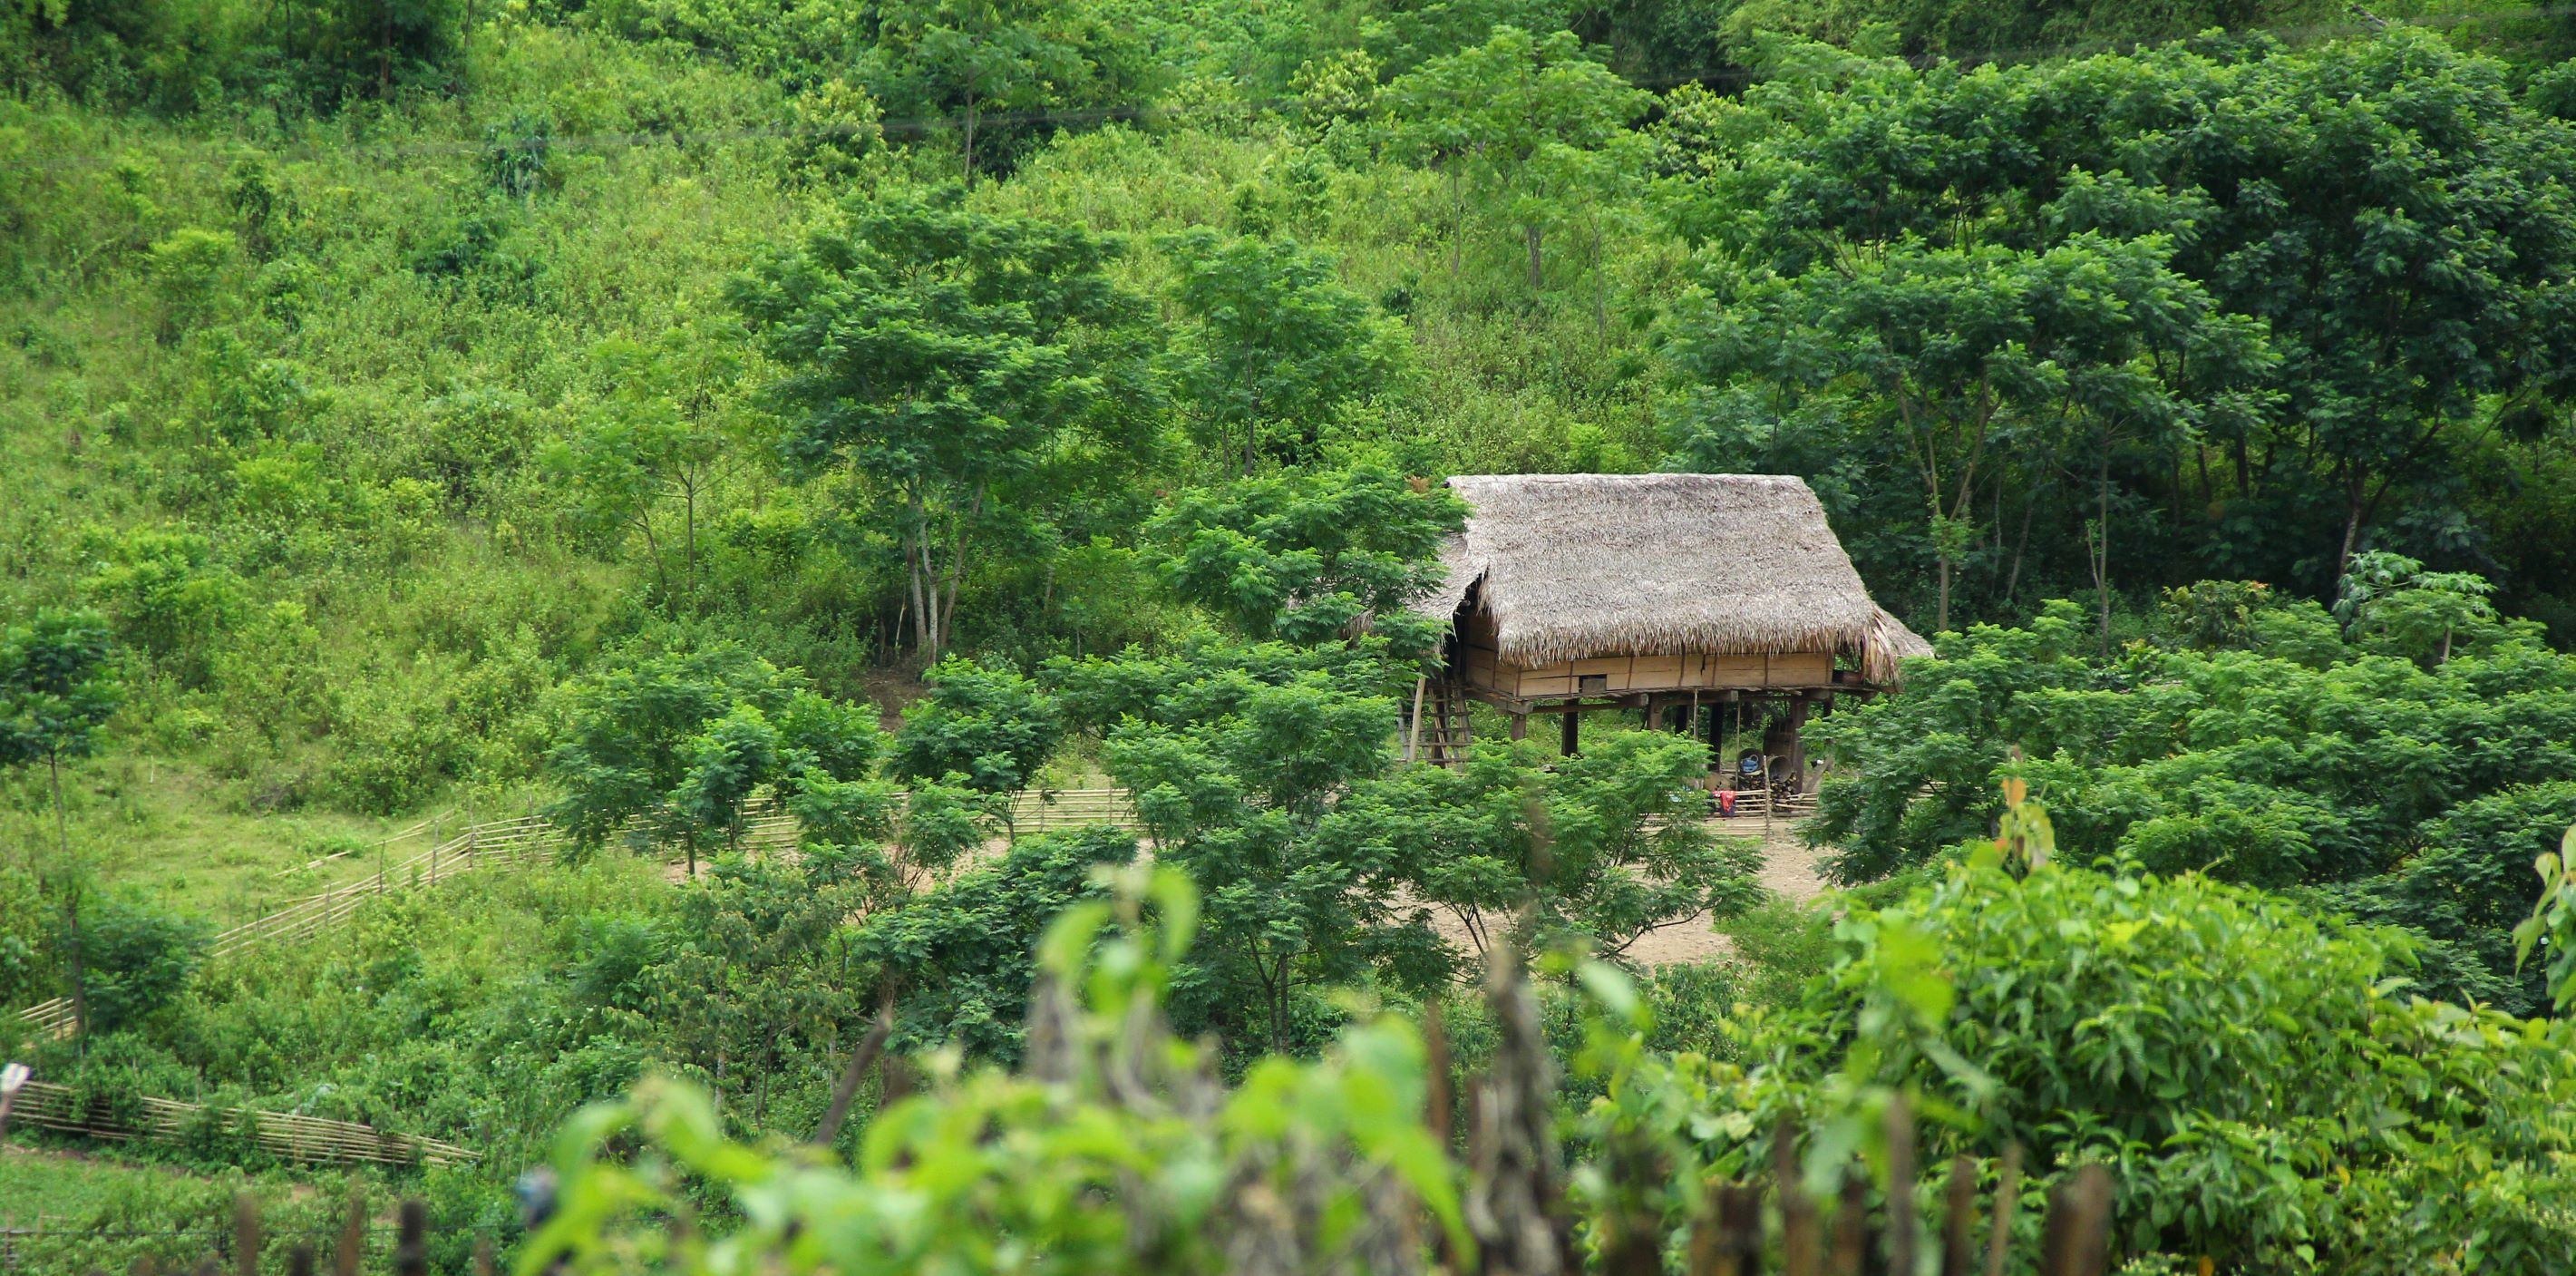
(166, 595)
(1115, 1149)
(2254, 1109)
(2301, 760)
(958, 957)
(138, 956)
(990, 726)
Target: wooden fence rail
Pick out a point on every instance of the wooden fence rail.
(283, 1134)
(1760, 803)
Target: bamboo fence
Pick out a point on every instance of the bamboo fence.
(248, 1246)
(1045, 810)
(283, 1134)
(1759, 803)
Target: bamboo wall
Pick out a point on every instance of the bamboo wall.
(1483, 667)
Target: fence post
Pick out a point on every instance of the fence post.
(411, 1251)
(246, 1233)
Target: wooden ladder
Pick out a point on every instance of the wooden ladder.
(1441, 730)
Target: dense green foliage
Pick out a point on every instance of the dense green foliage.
(2339, 1126)
(2269, 1113)
(661, 414)
(2407, 787)
(2015, 275)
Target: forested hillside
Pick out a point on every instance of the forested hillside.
(760, 439)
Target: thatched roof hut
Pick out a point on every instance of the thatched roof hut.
(1576, 566)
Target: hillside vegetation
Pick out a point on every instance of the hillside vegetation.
(654, 414)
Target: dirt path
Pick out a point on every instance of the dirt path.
(1788, 869)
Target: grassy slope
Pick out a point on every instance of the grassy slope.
(379, 652)
(374, 651)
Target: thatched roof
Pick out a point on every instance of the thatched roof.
(1574, 565)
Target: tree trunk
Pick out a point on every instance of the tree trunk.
(1600, 289)
(2021, 544)
(1530, 235)
(1941, 620)
(80, 970)
(923, 585)
(62, 830)
(2101, 547)
(71, 904)
(913, 578)
(2354, 508)
(956, 582)
(1457, 225)
(653, 546)
(689, 500)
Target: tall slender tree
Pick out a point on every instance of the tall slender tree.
(58, 685)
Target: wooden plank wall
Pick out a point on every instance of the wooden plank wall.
(1484, 668)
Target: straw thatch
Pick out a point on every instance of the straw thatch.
(1577, 565)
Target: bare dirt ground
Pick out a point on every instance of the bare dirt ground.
(1788, 869)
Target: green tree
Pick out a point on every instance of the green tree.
(735, 755)
(634, 733)
(167, 595)
(58, 685)
(1597, 850)
(989, 727)
(1306, 558)
(1275, 340)
(2404, 169)
(659, 435)
(188, 271)
(137, 957)
(2151, 1023)
(960, 958)
(1952, 355)
(2298, 759)
(2389, 600)
(760, 974)
(1004, 73)
(1512, 119)
(947, 355)
(1233, 776)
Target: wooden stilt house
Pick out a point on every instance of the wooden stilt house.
(1573, 593)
